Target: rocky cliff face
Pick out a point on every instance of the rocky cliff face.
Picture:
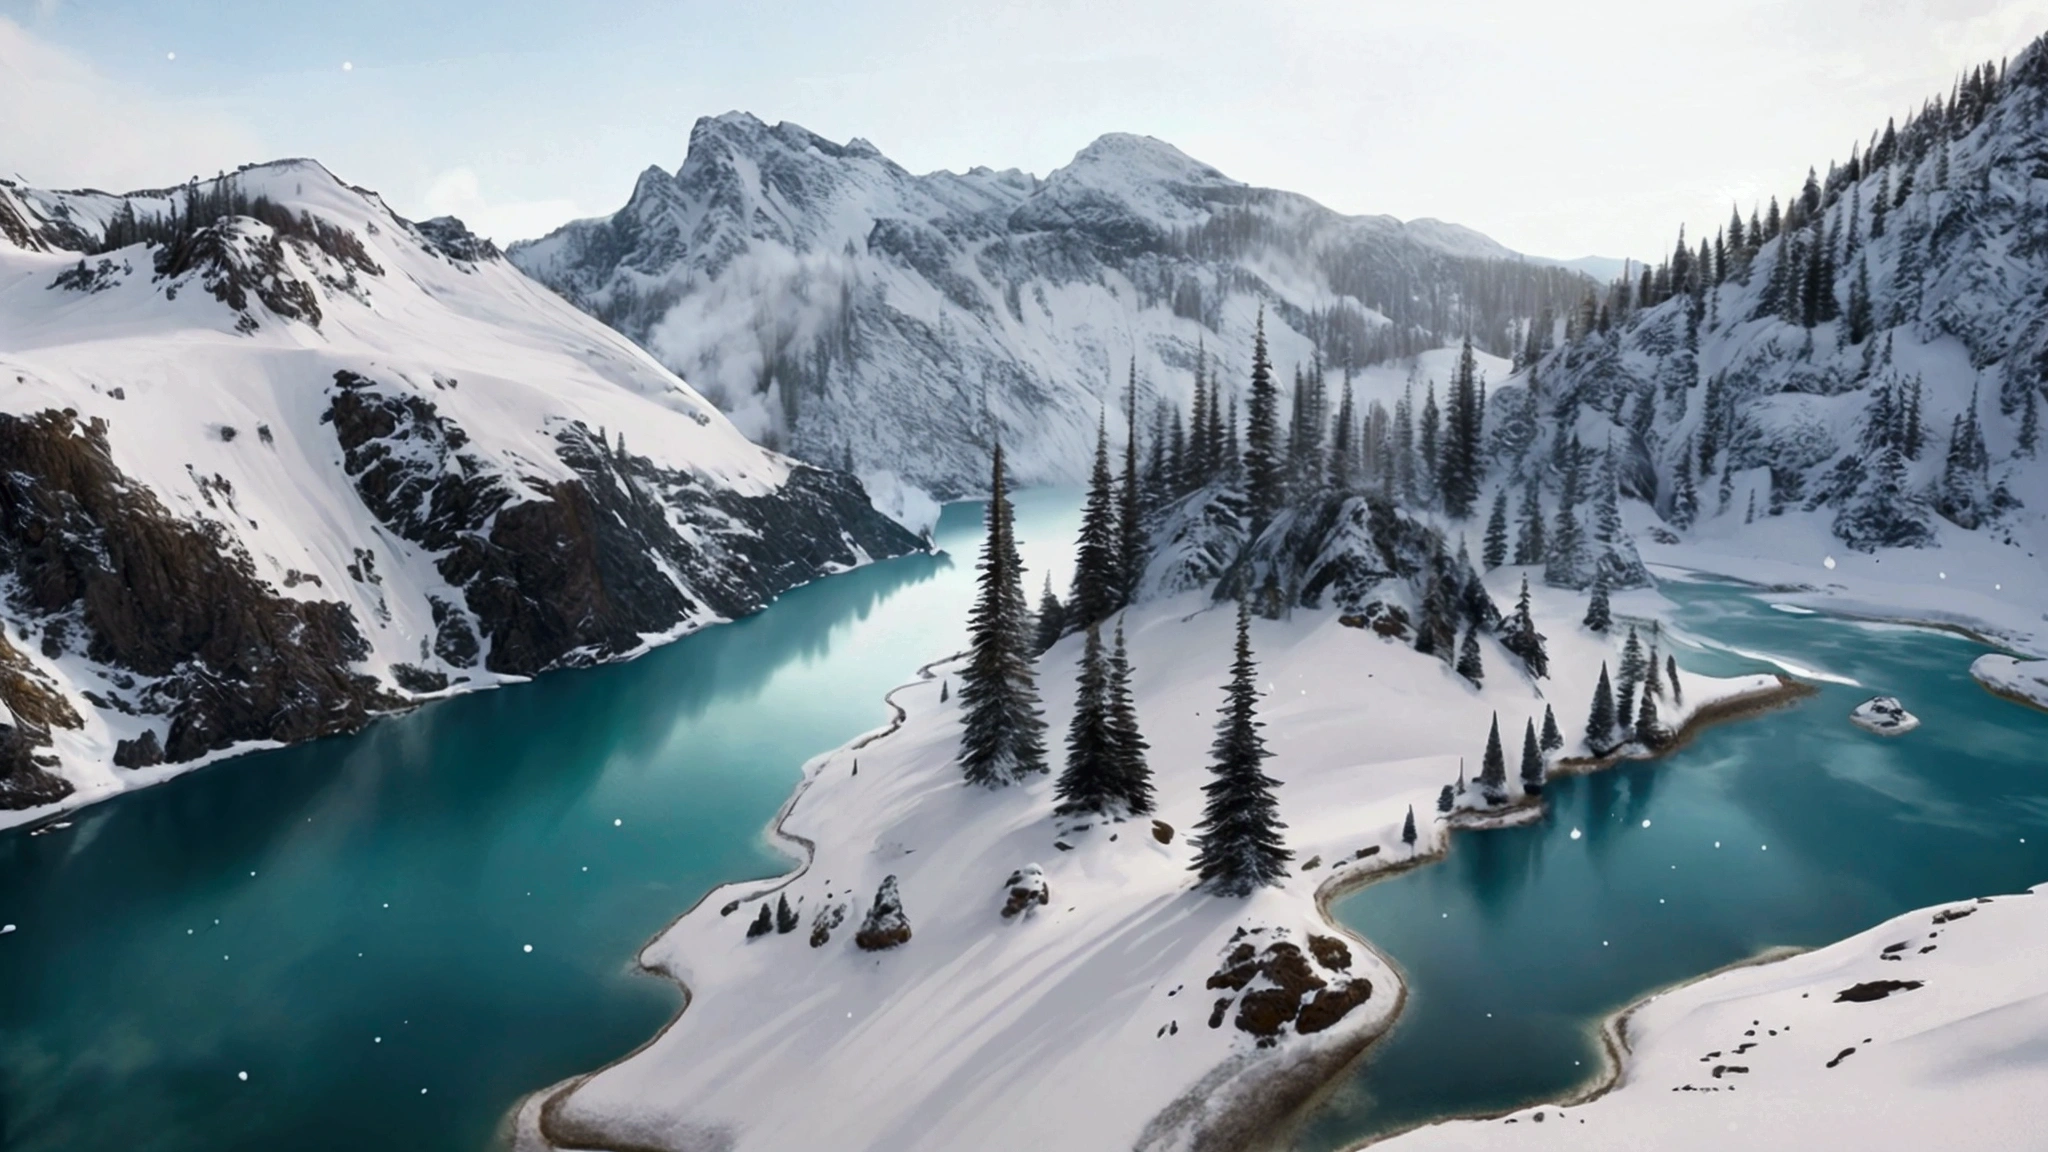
(862, 316)
(276, 460)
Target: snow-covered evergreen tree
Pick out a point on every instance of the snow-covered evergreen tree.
(1496, 553)
(1130, 508)
(1238, 846)
(1132, 777)
(1553, 740)
(1518, 635)
(1098, 567)
(1493, 768)
(1088, 782)
(1599, 617)
(1408, 829)
(1003, 735)
(1470, 664)
(1264, 467)
(1532, 761)
(1600, 720)
(1052, 619)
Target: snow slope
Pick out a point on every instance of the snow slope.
(1879, 455)
(367, 452)
(1923, 1032)
(841, 306)
(992, 1033)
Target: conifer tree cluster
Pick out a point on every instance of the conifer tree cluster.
(1003, 739)
(1106, 773)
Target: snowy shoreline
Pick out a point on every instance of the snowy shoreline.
(1222, 1104)
(1612, 1029)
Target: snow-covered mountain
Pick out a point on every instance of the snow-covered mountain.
(1870, 358)
(856, 314)
(273, 460)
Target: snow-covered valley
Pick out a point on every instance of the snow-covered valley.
(1116, 995)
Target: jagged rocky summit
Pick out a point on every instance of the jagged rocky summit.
(277, 460)
(895, 324)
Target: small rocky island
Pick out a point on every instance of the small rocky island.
(1885, 716)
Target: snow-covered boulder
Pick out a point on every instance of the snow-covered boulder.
(886, 926)
(1885, 716)
(1026, 890)
(2023, 680)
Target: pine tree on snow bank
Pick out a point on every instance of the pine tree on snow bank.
(1131, 778)
(1003, 738)
(1238, 843)
(1086, 784)
(1493, 770)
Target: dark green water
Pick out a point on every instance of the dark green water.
(346, 921)
(1519, 943)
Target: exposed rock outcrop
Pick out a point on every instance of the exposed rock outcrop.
(110, 573)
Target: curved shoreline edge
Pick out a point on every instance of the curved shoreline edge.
(545, 1105)
(1613, 1030)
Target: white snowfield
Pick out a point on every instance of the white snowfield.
(1938, 1044)
(2023, 680)
(1083, 1023)
(224, 423)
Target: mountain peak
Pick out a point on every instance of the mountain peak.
(1138, 159)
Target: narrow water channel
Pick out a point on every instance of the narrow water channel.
(348, 921)
(1794, 828)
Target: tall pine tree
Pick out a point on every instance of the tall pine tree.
(1493, 770)
(1264, 467)
(1098, 568)
(1532, 762)
(1003, 738)
(1496, 550)
(1088, 783)
(1238, 847)
(1132, 778)
(1600, 721)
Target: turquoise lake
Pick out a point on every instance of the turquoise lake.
(347, 921)
(1793, 828)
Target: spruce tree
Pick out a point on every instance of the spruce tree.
(1648, 732)
(1685, 498)
(1600, 721)
(1087, 785)
(1098, 576)
(1519, 636)
(1130, 512)
(1408, 829)
(2030, 423)
(1445, 799)
(1238, 846)
(1553, 740)
(1532, 761)
(1132, 777)
(1632, 664)
(1529, 543)
(1003, 735)
(1625, 706)
(1343, 442)
(1599, 617)
(1469, 664)
(1493, 770)
(1496, 550)
(1653, 681)
(1052, 619)
(785, 916)
(1265, 471)
(1671, 674)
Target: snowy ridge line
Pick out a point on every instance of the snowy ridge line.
(546, 1118)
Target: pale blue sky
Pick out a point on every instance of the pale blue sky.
(1560, 129)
